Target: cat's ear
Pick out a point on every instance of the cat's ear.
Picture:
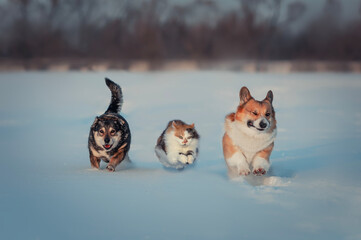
(174, 124)
(192, 125)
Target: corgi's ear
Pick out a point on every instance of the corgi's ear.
(244, 95)
(192, 125)
(174, 124)
(269, 96)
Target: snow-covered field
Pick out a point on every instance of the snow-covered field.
(48, 191)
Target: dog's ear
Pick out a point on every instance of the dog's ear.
(192, 125)
(244, 95)
(94, 123)
(269, 96)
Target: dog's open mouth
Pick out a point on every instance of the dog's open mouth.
(107, 146)
(250, 124)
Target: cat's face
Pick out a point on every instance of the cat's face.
(184, 138)
(184, 134)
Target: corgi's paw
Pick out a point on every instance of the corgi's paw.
(259, 171)
(260, 166)
(244, 171)
(238, 164)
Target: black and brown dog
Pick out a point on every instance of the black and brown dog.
(109, 137)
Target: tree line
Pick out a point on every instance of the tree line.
(161, 30)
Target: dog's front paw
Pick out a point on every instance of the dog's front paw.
(110, 168)
(260, 166)
(238, 165)
(244, 171)
(259, 171)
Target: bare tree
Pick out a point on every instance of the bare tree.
(158, 29)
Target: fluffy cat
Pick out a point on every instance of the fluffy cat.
(177, 146)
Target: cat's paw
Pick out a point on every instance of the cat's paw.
(190, 159)
(183, 158)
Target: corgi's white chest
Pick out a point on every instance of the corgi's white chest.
(249, 144)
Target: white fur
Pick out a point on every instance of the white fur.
(250, 141)
(113, 140)
(163, 158)
(239, 164)
(259, 162)
(174, 146)
(190, 159)
(183, 159)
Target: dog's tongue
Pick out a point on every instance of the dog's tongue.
(107, 146)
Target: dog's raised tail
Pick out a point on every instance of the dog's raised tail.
(116, 101)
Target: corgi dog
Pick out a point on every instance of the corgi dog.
(109, 136)
(249, 136)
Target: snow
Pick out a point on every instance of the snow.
(49, 191)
